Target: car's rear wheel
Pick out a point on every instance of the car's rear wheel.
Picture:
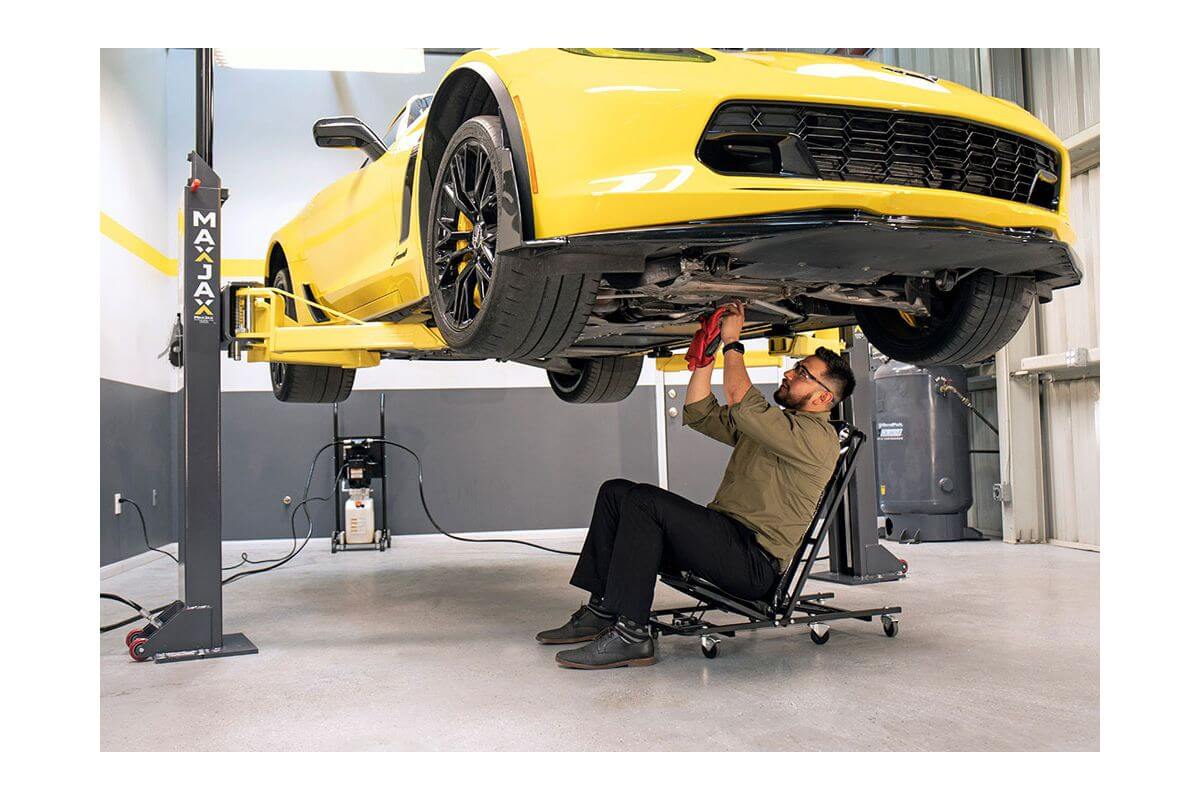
(597, 380)
(304, 383)
(966, 324)
(485, 303)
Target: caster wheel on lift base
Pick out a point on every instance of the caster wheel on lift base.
(818, 633)
(891, 627)
(139, 633)
(138, 651)
(710, 646)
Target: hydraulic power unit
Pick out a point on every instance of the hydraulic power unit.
(360, 462)
(923, 454)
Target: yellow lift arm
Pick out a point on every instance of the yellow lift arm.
(263, 332)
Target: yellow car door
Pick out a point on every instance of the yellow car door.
(351, 233)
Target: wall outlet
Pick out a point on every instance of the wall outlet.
(117, 504)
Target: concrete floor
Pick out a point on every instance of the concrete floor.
(429, 647)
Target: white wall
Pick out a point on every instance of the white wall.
(136, 300)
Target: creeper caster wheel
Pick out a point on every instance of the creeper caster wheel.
(891, 627)
(710, 646)
(819, 633)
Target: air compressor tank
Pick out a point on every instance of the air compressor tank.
(923, 455)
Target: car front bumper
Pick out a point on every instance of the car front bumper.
(829, 246)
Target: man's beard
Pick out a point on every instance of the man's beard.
(781, 397)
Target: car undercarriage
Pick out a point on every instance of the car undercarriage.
(795, 272)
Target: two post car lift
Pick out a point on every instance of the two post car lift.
(249, 320)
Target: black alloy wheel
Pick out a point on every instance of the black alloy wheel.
(465, 223)
(487, 303)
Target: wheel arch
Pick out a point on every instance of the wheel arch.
(276, 261)
(471, 90)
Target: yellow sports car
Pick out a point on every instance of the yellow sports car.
(577, 209)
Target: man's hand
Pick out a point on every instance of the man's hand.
(732, 322)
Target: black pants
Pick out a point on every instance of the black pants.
(638, 529)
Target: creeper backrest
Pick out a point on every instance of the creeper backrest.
(783, 598)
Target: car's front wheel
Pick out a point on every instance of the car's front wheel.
(597, 380)
(966, 324)
(305, 383)
(489, 304)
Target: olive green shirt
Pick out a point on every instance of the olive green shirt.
(782, 460)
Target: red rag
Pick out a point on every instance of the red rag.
(701, 353)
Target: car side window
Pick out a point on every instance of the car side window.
(418, 107)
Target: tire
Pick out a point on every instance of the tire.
(969, 323)
(304, 383)
(507, 308)
(599, 380)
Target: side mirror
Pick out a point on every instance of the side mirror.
(348, 132)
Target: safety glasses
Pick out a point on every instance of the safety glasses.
(804, 374)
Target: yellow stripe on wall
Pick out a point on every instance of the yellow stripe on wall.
(137, 245)
(118, 233)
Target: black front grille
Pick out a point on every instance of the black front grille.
(855, 144)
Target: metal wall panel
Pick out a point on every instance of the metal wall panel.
(1072, 319)
(1064, 88)
(958, 64)
(1063, 91)
(1072, 459)
(1070, 409)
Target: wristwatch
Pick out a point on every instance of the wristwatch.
(738, 346)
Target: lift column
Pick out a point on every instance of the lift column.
(192, 627)
(855, 555)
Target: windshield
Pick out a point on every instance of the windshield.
(412, 111)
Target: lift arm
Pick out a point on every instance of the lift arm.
(260, 330)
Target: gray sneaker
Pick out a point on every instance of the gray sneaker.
(609, 650)
(583, 626)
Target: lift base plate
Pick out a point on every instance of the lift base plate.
(233, 644)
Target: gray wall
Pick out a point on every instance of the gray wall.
(137, 457)
(493, 459)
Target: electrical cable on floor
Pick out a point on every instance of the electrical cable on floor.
(311, 469)
(145, 535)
(308, 536)
(280, 561)
(441, 530)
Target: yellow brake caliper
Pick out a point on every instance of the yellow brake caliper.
(464, 225)
(909, 318)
